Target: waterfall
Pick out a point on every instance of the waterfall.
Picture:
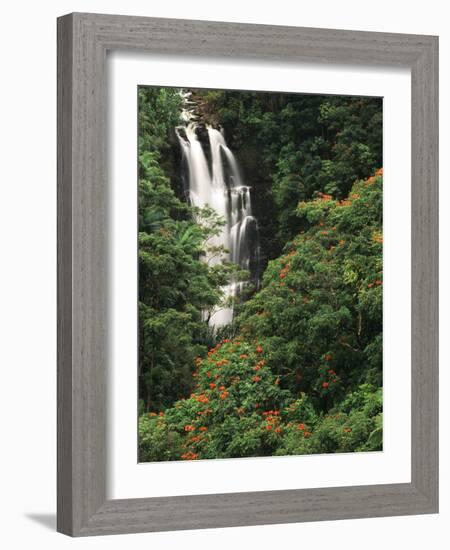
(218, 184)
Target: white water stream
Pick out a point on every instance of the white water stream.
(220, 186)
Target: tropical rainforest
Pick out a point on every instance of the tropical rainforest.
(298, 367)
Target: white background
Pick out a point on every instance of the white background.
(28, 267)
(127, 479)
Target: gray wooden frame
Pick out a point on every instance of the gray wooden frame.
(83, 40)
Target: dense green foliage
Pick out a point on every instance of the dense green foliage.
(301, 369)
(292, 146)
(320, 307)
(238, 409)
(175, 286)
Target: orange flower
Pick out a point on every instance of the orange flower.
(189, 428)
(377, 237)
(203, 429)
(306, 434)
(201, 398)
(189, 456)
(212, 385)
(221, 388)
(259, 350)
(243, 356)
(347, 430)
(301, 427)
(278, 430)
(224, 395)
(256, 378)
(325, 385)
(378, 282)
(268, 427)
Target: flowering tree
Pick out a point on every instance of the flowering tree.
(303, 375)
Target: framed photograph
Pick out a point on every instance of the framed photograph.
(247, 274)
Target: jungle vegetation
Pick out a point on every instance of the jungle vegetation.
(299, 371)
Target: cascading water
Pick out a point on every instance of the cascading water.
(220, 186)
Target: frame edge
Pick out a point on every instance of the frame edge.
(64, 274)
(425, 272)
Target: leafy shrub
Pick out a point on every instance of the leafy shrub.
(320, 306)
(239, 410)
